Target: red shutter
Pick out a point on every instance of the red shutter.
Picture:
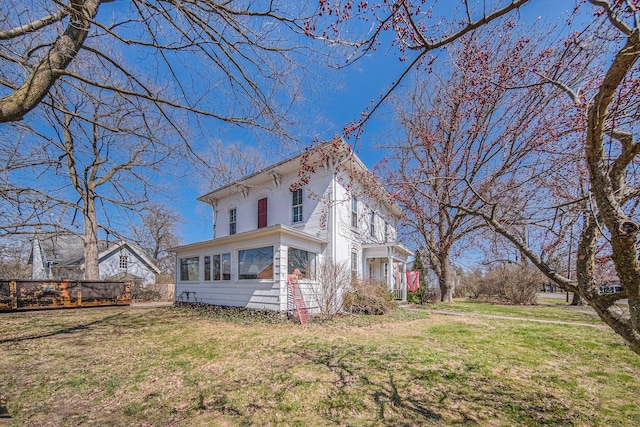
(262, 213)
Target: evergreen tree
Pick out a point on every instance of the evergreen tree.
(418, 296)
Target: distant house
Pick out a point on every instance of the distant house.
(288, 218)
(60, 256)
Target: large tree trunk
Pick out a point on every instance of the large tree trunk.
(91, 271)
(445, 280)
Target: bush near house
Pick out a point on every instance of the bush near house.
(367, 296)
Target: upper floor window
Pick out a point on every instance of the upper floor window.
(262, 213)
(232, 221)
(386, 231)
(296, 204)
(354, 212)
(372, 224)
(124, 262)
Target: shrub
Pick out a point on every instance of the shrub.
(332, 280)
(511, 283)
(423, 295)
(367, 297)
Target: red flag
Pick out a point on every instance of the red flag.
(413, 280)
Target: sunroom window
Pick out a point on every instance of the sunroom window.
(190, 269)
(255, 263)
(301, 262)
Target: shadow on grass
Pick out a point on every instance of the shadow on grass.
(357, 389)
(380, 383)
(68, 330)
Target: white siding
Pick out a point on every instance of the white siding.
(279, 209)
(110, 265)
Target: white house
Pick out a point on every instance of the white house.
(60, 256)
(293, 215)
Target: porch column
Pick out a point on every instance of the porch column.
(390, 273)
(403, 278)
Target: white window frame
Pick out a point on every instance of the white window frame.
(248, 272)
(296, 208)
(372, 225)
(354, 212)
(233, 221)
(123, 262)
(311, 263)
(354, 263)
(195, 259)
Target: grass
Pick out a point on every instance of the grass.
(549, 309)
(179, 367)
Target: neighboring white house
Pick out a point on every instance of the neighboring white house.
(60, 256)
(293, 215)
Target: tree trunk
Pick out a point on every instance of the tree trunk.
(445, 281)
(91, 271)
(577, 299)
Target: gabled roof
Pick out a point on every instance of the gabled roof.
(67, 250)
(338, 150)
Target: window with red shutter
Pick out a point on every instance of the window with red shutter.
(262, 213)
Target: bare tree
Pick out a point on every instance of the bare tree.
(470, 138)
(98, 151)
(13, 259)
(158, 233)
(333, 279)
(227, 61)
(604, 117)
(607, 106)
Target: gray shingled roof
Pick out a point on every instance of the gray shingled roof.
(67, 250)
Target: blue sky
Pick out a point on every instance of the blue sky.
(344, 94)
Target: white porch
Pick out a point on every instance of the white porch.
(387, 263)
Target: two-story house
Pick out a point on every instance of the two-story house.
(288, 218)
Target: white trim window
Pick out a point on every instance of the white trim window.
(123, 262)
(354, 263)
(233, 215)
(296, 205)
(207, 268)
(354, 212)
(226, 266)
(190, 269)
(301, 262)
(256, 263)
(372, 224)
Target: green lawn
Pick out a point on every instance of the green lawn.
(549, 309)
(160, 367)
